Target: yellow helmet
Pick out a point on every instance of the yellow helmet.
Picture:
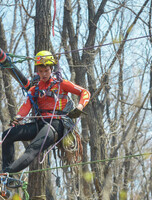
(45, 58)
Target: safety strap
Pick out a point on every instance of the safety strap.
(49, 93)
(42, 91)
(57, 112)
(37, 94)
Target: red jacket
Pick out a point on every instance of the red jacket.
(48, 103)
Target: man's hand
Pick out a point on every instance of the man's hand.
(75, 113)
(15, 120)
(80, 107)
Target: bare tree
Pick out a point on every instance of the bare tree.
(94, 39)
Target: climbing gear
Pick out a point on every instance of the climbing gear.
(71, 142)
(24, 188)
(35, 106)
(65, 153)
(70, 148)
(75, 113)
(50, 122)
(7, 182)
(45, 58)
(3, 190)
(56, 113)
(21, 79)
(5, 62)
(42, 93)
(50, 93)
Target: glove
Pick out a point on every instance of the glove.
(15, 121)
(75, 113)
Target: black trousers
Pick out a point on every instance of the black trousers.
(34, 132)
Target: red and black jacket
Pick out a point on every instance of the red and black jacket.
(46, 96)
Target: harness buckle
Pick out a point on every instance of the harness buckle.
(42, 93)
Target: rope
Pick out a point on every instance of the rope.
(28, 94)
(59, 79)
(86, 48)
(24, 188)
(59, 140)
(49, 127)
(6, 135)
(85, 163)
(24, 58)
(102, 45)
(17, 183)
(23, 87)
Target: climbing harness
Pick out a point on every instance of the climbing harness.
(46, 92)
(49, 125)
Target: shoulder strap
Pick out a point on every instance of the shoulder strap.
(36, 91)
(51, 85)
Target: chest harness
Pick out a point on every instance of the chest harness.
(50, 93)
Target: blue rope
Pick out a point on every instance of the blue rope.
(35, 106)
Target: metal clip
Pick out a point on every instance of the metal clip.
(3, 182)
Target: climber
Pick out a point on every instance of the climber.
(49, 99)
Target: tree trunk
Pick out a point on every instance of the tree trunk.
(42, 25)
(6, 77)
(37, 181)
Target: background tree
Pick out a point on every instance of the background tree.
(42, 22)
(116, 74)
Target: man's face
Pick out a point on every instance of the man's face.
(44, 73)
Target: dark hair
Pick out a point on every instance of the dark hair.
(43, 66)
